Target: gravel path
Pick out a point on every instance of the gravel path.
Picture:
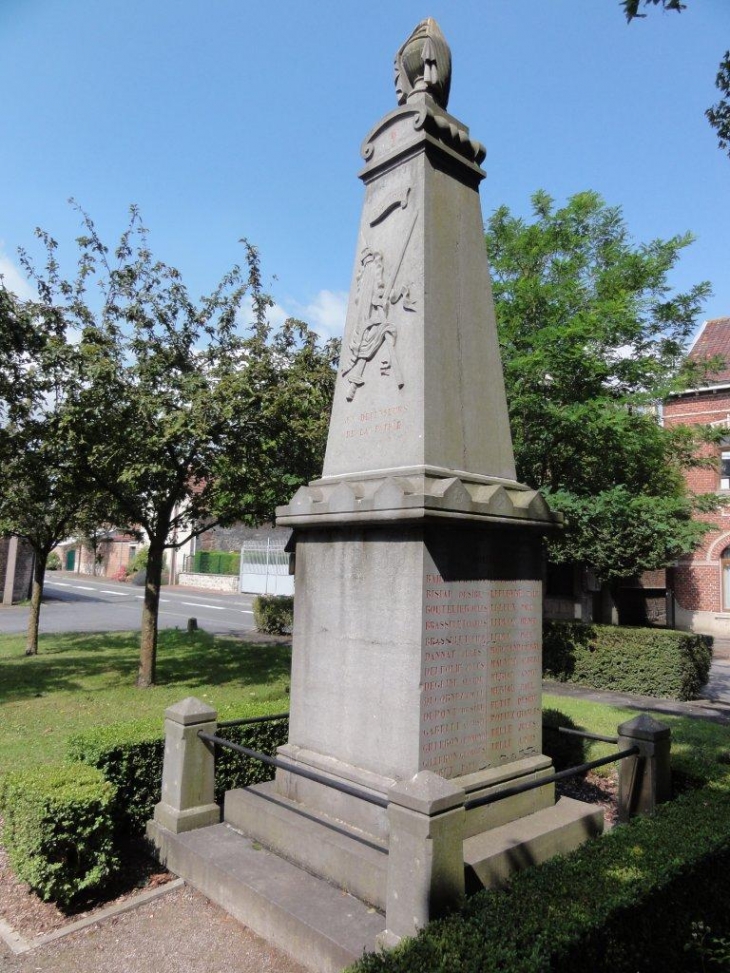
(179, 932)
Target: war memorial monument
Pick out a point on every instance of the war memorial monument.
(416, 672)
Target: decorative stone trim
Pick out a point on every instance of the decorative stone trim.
(414, 498)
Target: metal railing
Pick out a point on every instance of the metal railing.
(475, 802)
(552, 779)
(283, 764)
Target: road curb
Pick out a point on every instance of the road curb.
(18, 944)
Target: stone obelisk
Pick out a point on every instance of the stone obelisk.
(417, 622)
(417, 625)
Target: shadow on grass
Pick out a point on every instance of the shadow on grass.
(88, 662)
(220, 660)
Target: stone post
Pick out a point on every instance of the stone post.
(644, 780)
(188, 773)
(426, 854)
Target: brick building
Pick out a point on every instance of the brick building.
(701, 582)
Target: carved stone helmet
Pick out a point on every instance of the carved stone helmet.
(423, 63)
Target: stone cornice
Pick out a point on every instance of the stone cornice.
(414, 498)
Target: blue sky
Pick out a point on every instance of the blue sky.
(228, 118)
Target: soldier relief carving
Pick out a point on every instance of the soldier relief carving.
(372, 344)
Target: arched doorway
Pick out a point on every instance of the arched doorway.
(725, 578)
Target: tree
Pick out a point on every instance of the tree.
(179, 417)
(591, 337)
(43, 491)
(718, 115)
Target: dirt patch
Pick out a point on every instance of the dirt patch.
(594, 789)
(30, 916)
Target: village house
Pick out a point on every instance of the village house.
(700, 582)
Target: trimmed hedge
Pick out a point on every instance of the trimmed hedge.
(651, 662)
(130, 756)
(274, 614)
(233, 769)
(59, 830)
(216, 562)
(622, 904)
(65, 827)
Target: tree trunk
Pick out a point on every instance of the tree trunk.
(39, 573)
(148, 644)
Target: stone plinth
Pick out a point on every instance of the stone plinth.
(423, 655)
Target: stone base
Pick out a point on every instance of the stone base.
(315, 923)
(310, 917)
(490, 858)
(179, 821)
(371, 820)
(524, 829)
(317, 842)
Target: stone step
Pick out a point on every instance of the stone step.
(493, 856)
(320, 926)
(349, 858)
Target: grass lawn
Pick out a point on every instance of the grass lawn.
(698, 746)
(78, 680)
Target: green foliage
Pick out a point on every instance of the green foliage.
(54, 562)
(591, 336)
(273, 614)
(216, 562)
(130, 756)
(631, 7)
(650, 662)
(713, 952)
(719, 114)
(139, 561)
(622, 533)
(58, 830)
(45, 491)
(235, 770)
(213, 421)
(564, 749)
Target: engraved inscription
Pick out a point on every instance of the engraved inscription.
(375, 423)
(481, 675)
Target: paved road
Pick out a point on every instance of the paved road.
(76, 603)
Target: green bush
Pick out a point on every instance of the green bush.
(139, 561)
(564, 749)
(648, 661)
(53, 562)
(233, 769)
(130, 756)
(59, 830)
(273, 614)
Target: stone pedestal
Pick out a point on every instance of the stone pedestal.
(645, 781)
(417, 647)
(188, 777)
